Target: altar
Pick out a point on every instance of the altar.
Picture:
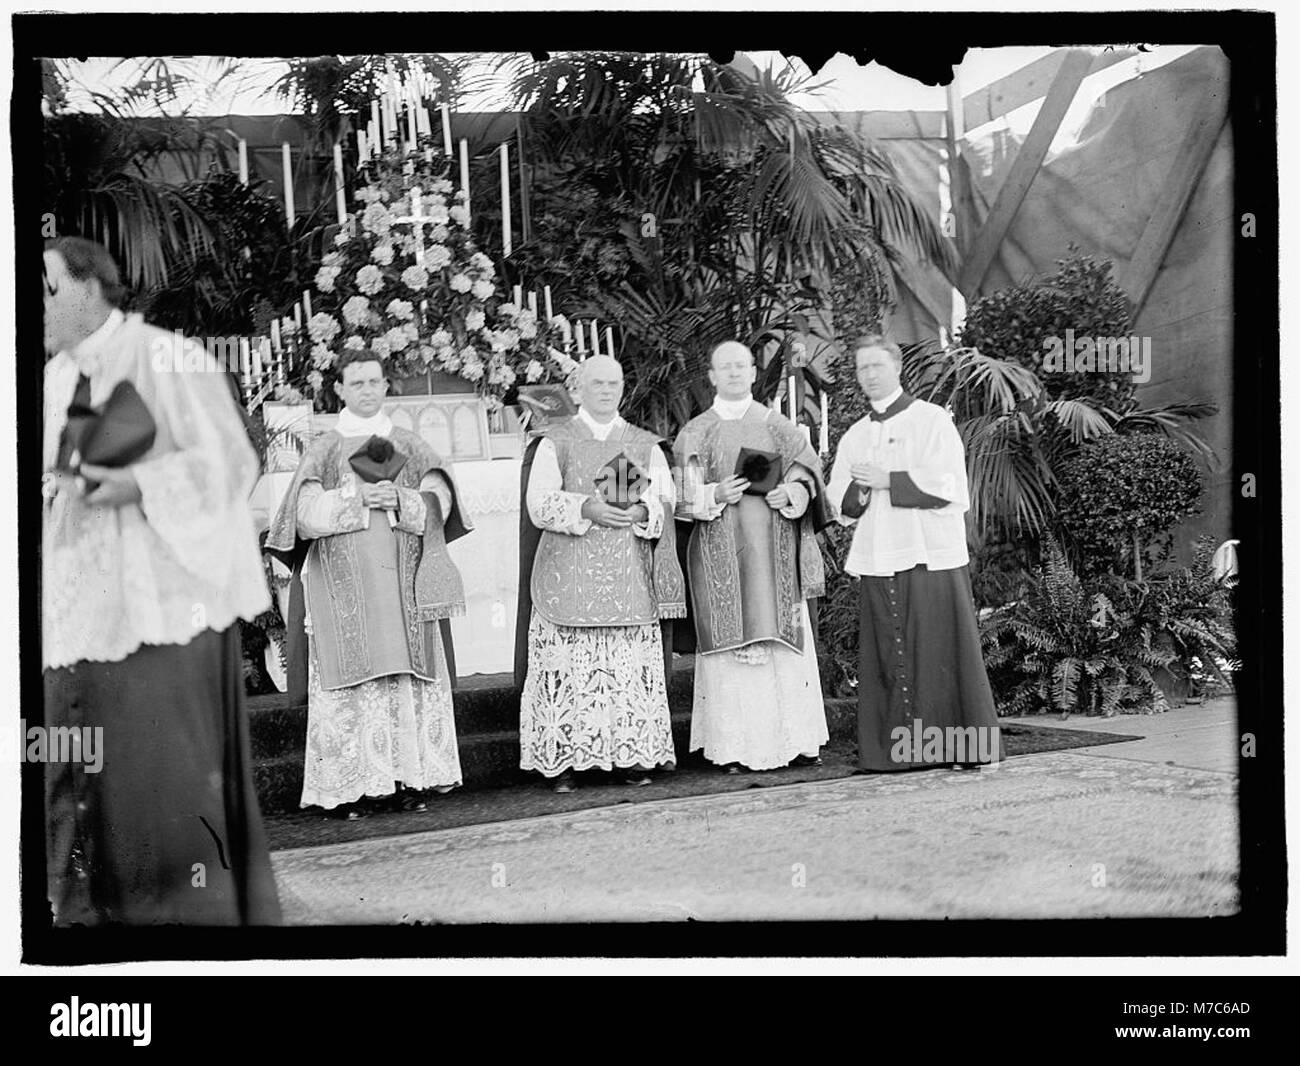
(486, 466)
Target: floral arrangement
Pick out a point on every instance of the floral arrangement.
(438, 310)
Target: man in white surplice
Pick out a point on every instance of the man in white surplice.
(752, 562)
(603, 575)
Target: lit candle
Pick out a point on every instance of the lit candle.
(243, 161)
(257, 363)
(376, 125)
(609, 341)
(546, 295)
(446, 131)
(245, 358)
(794, 403)
(595, 338)
(567, 332)
(417, 230)
(464, 172)
(532, 303)
(361, 145)
(518, 293)
(824, 443)
(410, 122)
(297, 317)
(306, 303)
(776, 402)
(506, 244)
(581, 350)
(275, 333)
(340, 201)
(287, 158)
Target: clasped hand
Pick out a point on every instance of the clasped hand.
(596, 510)
(381, 495)
(870, 475)
(731, 490)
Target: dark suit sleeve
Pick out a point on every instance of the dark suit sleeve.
(903, 492)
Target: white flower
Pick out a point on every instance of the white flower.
(375, 219)
(331, 259)
(415, 278)
(356, 311)
(288, 394)
(427, 355)
(400, 309)
(442, 186)
(469, 353)
(449, 360)
(354, 343)
(382, 253)
(325, 278)
(380, 347)
(479, 261)
(323, 328)
(460, 195)
(508, 310)
(439, 214)
(472, 371)
(439, 233)
(460, 283)
(368, 194)
(316, 380)
(460, 214)
(502, 375)
(482, 289)
(528, 328)
(509, 338)
(321, 356)
(370, 279)
(341, 238)
(397, 339)
(474, 319)
(440, 339)
(439, 256)
(534, 370)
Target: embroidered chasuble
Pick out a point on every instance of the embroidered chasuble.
(751, 569)
(594, 694)
(920, 663)
(375, 588)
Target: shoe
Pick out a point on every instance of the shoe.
(413, 801)
(564, 783)
(732, 769)
(442, 790)
(806, 760)
(638, 778)
(346, 812)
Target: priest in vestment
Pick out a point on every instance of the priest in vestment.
(376, 581)
(603, 575)
(147, 566)
(753, 561)
(900, 475)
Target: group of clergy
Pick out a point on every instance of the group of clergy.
(603, 586)
(148, 565)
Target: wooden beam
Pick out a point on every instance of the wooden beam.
(1021, 175)
(1027, 85)
(958, 191)
(1176, 194)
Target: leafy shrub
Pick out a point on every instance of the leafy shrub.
(1119, 496)
(1106, 646)
(1081, 295)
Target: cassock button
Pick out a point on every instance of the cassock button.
(81, 805)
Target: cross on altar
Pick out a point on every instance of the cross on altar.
(418, 220)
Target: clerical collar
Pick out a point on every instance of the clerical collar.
(732, 409)
(351, 425)
(599, 430)
(86, 353)
(893, 404)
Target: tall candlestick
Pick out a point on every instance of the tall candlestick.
(275, 333)
(595, 338)
(306, 304)
(287, 158)
(340, 201)
(567, 331)
(581, 350)
(609, 341)
(546, 295)
(297, 317)
(410, 122)
(794, 404)
(446, 131)
(243, 161)
(361, 146)
(506, 244)
(245, 358)
(464, 172)
(532, 303)
(257, 364)
(824, 441)
(518, 293)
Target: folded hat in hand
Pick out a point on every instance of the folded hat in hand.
(620, 482)
(377, 460)
(117, 434)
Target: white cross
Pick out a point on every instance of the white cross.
(418, 220)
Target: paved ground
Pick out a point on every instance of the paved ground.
(1142, 828)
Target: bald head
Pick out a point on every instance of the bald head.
(600, 387)
(732, 370)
